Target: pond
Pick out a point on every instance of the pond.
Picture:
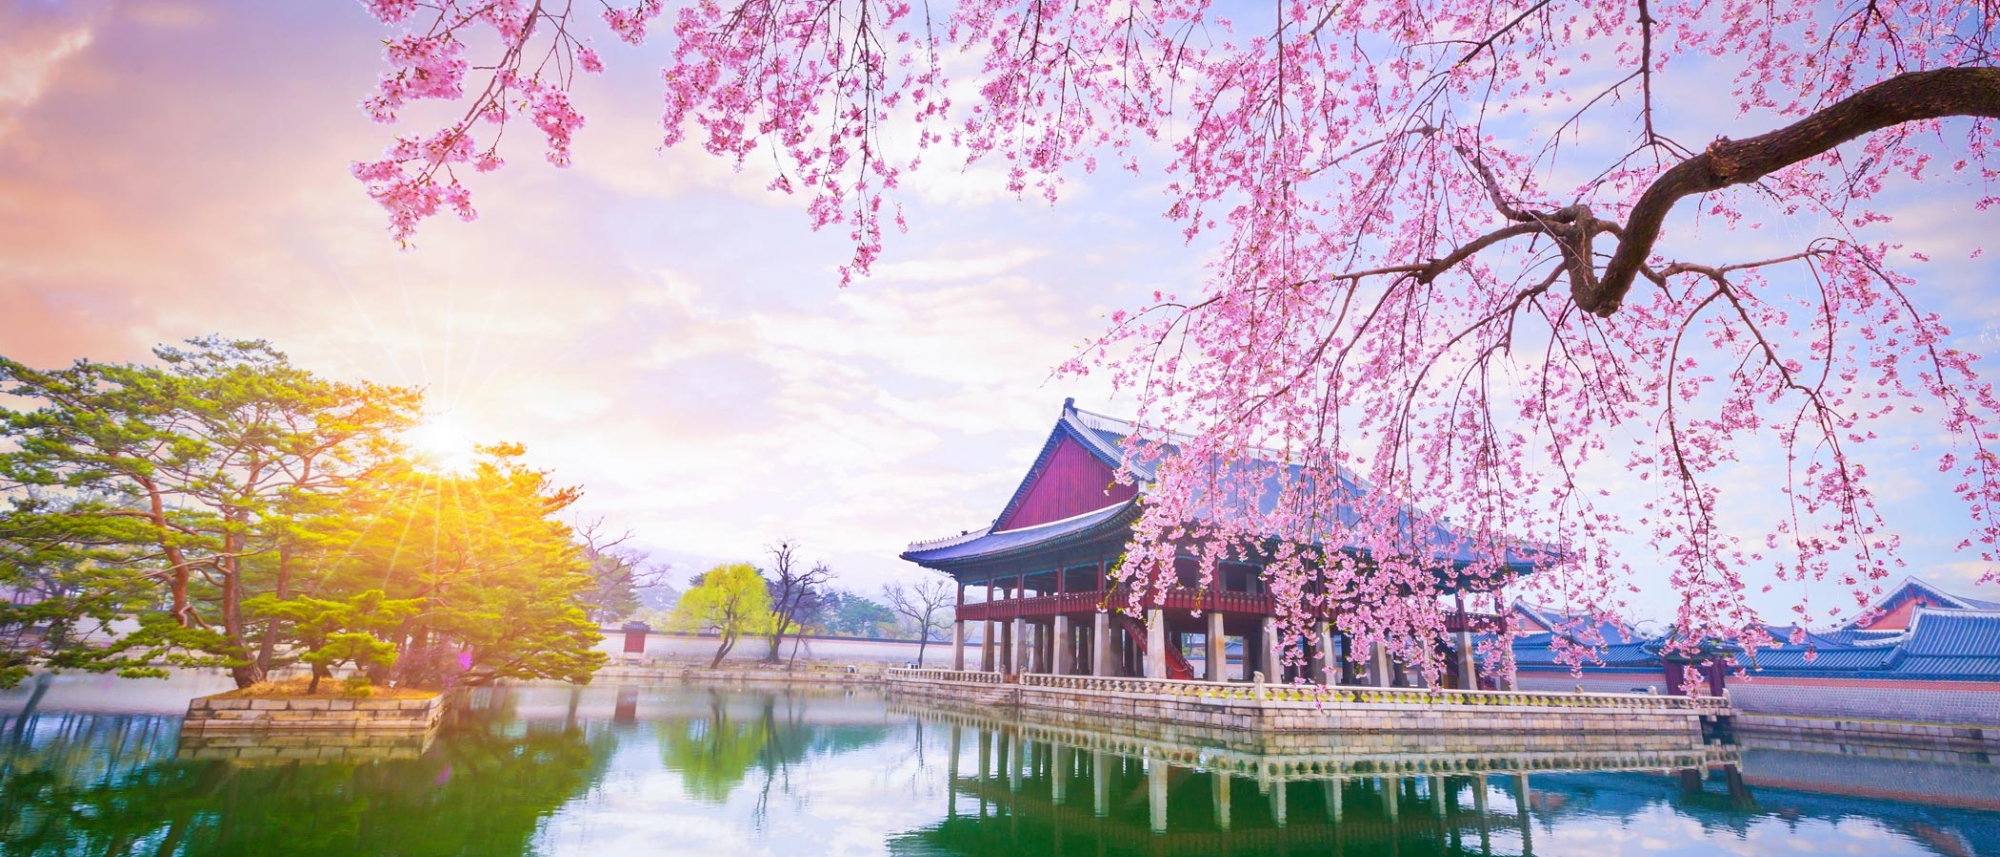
(96, 766)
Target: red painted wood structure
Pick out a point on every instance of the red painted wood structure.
(1038, 585)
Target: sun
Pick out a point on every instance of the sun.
(441, 442)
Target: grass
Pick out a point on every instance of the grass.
(329, 688)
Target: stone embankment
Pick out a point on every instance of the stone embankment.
(224, 713)
(1306, 709)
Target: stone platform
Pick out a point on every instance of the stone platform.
(217, 714)
(1313, 710)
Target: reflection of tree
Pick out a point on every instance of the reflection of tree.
(712, 755)
(484, 788)
(716, 753)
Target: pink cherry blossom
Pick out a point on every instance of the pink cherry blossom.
(1437, 310)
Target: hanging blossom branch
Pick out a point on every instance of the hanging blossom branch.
(1385, 323)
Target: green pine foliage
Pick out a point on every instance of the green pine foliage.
(223, 507)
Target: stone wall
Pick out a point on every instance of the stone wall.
(1946, 703)
(690, 648)
(262, 747)
(223, 714)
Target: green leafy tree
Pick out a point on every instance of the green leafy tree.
(330, 633)
(504, 583)
(180, 476)
(733, 599)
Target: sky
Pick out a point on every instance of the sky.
(653, 326)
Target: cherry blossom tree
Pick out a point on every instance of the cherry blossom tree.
(1458, 273)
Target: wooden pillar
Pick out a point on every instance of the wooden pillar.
(1156, 644)
(1100, 644)
(1218, 649)
(1062, 645)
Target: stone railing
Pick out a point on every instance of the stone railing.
(1307, 693)
(906, 674)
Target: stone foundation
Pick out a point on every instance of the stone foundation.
(1289, 709)
(282, 747)
(212, 714)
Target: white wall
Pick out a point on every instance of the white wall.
(841, 650)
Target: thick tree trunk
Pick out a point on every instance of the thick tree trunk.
(722, 651)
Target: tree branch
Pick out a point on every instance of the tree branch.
(1909, 97)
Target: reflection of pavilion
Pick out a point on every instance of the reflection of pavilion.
(1056, 788)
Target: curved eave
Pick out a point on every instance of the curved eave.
(1110, 520)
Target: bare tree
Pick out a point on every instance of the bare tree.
(792, 589)
(617, 573)
(922, 605)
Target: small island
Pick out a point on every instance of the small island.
(293, 704)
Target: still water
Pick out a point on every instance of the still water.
(96, 766)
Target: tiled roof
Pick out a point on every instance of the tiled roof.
(1940, 644)
(991, 543)
(1104, 437)
(1952, 633)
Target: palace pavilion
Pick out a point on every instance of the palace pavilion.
(1036, 587)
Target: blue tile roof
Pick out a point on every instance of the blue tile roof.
(987, 543)
(1951, 633)
(1940, 644)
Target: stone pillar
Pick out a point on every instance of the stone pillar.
(1334, 799)
(1019, 662)
(1438, 795)
(1468, 671)
(1156, 791)
(958, 645)
(1219, 783)
(1217, 654)
(1392, 793)
(1062, 644)
(951, 775)
(986, 648)
(1521, 813)
(1380, 667)
(1100, 782)
(1328, 662)
(1278, 802)
(985, 740)
(1013, 762)
(1100, 645)
(1271, 651)
(1059, 775)
(1156, 646)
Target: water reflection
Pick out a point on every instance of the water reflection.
(688, 769)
